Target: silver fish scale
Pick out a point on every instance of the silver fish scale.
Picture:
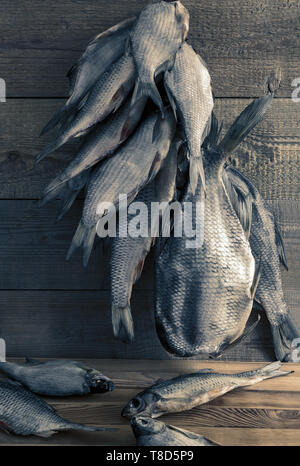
(128, 254)
(100, 101)
(209, 302)
(194, 384)
(190, 85)
(24, 413)
(156, 35)
(128, 170)
(100, 142)
(263, 245)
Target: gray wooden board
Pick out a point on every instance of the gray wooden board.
(270, 155)
(242, 42)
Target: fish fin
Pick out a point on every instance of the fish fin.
(172, 102)
(78, 239)
(241, 203)
(68, 199)
(157, 130)
(191, 435)
(122, 323)
(226, 346)
(269, 371)
(32, 361)
(52, 191)
(205, 371)
(131, 120)
(280, 246)
(196, 170)
(147, 89)
(75, 426)
(284, 336)
(5, 428)
(51, 147)
(59, 116)
(256, 278)
(245, 122)
(46, 434)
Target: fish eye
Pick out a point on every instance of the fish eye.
(135, 403)
(144, 422)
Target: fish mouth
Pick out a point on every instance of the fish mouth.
(103, 386)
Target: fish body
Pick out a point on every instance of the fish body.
(159, 31)
(102, 141)
(190, 390)
(213, 284)
(23, 413)
(57, 377)
(188, 85)
(107, 95)
(101, 52)
(133, 166)
(150, 432)
(128, 253)
(267, 246)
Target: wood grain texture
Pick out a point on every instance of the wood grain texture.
(242, 42)
(270, 155)
(237, 418)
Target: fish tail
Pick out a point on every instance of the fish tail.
(196, 171)
(55, 120)
(122, 323)
(52, 191)
(149, 89)
(68, 199)
(76, 426)
(52, 146)
(267, 372)
(284, 336)
(84, 237)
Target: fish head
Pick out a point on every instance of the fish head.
(142, 404)
(143, 425)
(183, 17)
(98, 382)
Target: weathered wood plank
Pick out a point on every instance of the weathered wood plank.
(78, 324)
(270, 156)
(241, 42)
(32, 255)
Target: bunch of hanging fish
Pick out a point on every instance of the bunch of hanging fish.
(22, 412)
(142, 98)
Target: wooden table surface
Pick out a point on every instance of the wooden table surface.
(267, 413)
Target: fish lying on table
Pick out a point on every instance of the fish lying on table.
(58, 377)
(101, 52)
(207, 307)
(133, 166)
(157, 34)
(150, 432)
(190, 390)
(23, 413)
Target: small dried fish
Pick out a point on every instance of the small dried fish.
(58, 377)
(267, 246)
(159, 31)
(100, 53)
(188, 86)
(128, 253)
(107, 95)
(190, 390)
(23, 413)
(150, 432)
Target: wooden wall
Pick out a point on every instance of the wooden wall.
(53, 308)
